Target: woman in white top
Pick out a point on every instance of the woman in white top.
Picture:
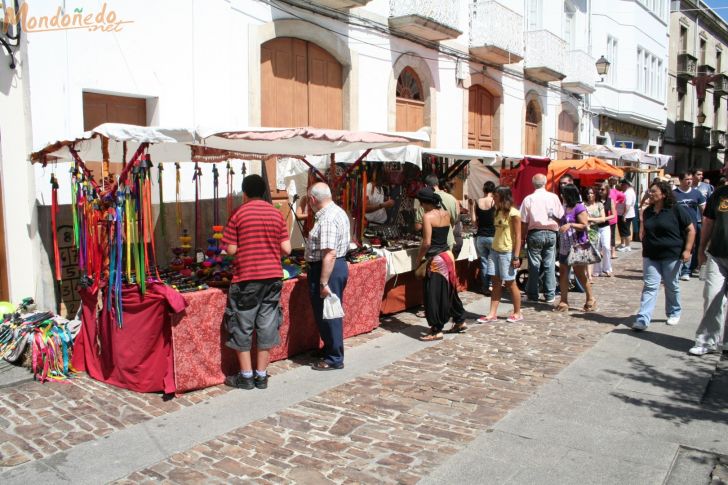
(376, 205)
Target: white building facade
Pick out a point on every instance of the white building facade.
(508, 76)
(628, 106)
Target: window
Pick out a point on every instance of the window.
(569, 25)
(718, 66)
(683, 39)
(650, 74)
(612, 58)
(703, 44)
(533, 14)
(408, 85)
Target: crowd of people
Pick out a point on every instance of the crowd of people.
(683, 226)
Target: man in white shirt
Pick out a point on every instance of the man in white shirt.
(627, 215)
(540, 212)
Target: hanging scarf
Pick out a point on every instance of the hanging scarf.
(178, 204)
(162, 221)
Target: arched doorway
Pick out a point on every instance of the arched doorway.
(568, 132)
(481, 113)
(533, 128)
(410, 101)
(301, 85)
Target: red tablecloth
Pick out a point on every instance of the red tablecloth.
(138, 355)
(201, 358)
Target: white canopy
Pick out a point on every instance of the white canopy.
(174, 144)
(305, 141)
(614, 153)
(487, 157)
(166, 144)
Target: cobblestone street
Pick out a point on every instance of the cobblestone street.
(393, 424)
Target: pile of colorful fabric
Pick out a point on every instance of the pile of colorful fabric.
(49, 338)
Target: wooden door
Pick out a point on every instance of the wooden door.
(4, 290)
(301, 85)
(533, 129)
(481, 110)
(410, 101)
(105, 108)
(567, 133)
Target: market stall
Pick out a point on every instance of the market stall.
(587, 171)
(139, 332)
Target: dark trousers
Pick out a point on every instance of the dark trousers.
(441, 302)
(331, 331)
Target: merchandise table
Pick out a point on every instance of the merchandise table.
(163, 346)
(404, 291)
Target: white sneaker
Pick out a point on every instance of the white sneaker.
(702, 350)
(638, 326)
(673, 320)
(624, 249)
(685, 277)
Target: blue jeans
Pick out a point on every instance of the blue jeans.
(654, 270)
(688, 268)
(541, 251)
(332, 330)
(483, 245)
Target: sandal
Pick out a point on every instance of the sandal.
(487, 319)
(608, 274)
(513, 318)
(561, 307)
(590, 306)
(458, 328)
(431, 337)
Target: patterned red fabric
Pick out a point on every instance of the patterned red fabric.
(201, 358)
(137, 356)
(257, 229)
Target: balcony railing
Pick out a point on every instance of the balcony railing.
(496, 33)
(684, 132)
(545, 58)
(581, 73)
(429, 19)
(720, 85)
(702, 136)
(342, 4)
(687, 65)
(717, 139)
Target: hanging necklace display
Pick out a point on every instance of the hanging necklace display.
(197, 179)
(162, 218)
(54, 223)
(215, 193)
(178, 203)
(230, 174)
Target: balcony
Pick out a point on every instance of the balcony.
(705, 69)
(702, 136)
(687, 66)
(428, 19)
(581, 73)
(684, 132)
(720, 85)
(717, 139)
(496, 33)
(342, 4)
(545, 58)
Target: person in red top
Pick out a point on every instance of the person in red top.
(257, 236)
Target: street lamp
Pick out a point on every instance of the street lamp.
(701, 118)
(602, 66)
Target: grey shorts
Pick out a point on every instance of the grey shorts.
(254, 305)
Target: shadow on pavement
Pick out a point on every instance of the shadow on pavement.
(671, 342)
(601, 318)
(683, 401)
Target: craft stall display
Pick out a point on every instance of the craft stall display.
(152, 327)
(41, 341)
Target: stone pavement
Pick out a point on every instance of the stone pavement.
(401, 411)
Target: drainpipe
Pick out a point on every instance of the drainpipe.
(587, 98)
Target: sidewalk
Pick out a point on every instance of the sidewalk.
(500, 403)
(636, 408)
